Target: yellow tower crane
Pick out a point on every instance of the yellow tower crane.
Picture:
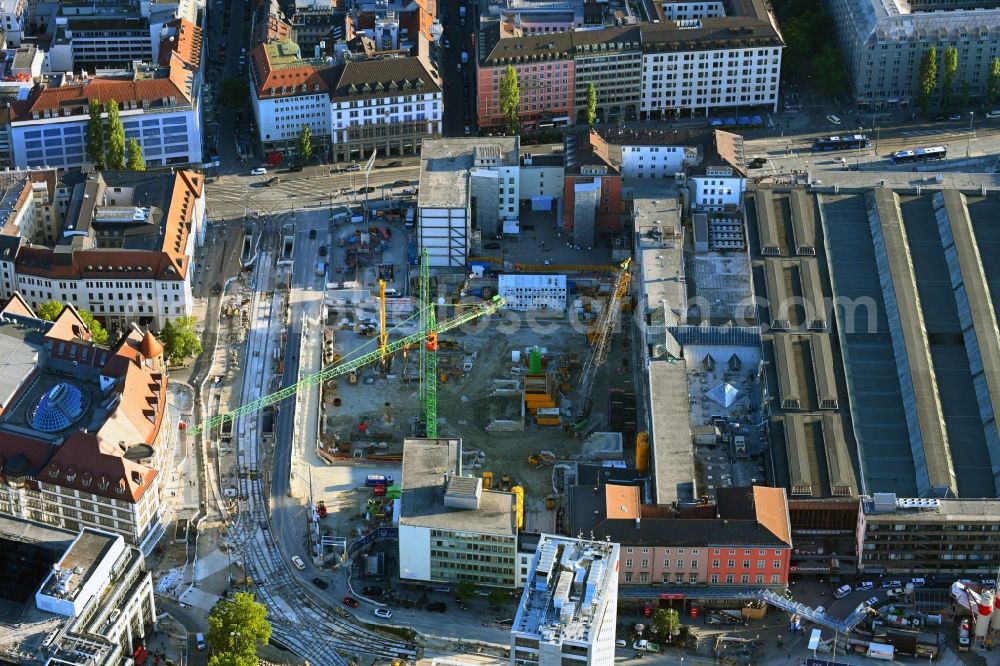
(383, 332)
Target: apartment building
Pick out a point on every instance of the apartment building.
(744, 539)
(84, 429)
(569, 606)
(450, 528)
(123, 243)
(949, 537)
(717, 182)
(882, 43)
(159, 107)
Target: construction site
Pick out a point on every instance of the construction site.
(525, 393)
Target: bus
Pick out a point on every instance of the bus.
(851, 142)
(919, 155)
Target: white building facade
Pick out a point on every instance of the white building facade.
(569, 607)
(533, 292)
(656, 161)
(718, 188)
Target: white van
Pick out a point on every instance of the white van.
(842, 592)
(200, 640)
(993, 115)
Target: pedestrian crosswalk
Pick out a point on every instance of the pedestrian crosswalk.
(934, 132)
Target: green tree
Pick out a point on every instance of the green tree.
(591, 104)
(180, 342)
(666, 622)
(497, 597)
(992, 79)
(965, 94)
(827, 70)
(49, 310)
(230, 659)
(928, 78)
(950, 67)
(234, 93)
(510, 99)
(236, 626)
(305, 144)
(465, 588)
(135, 159)
(95, 135)
(114, 139)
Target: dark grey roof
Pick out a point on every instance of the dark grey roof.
(8, 247)
(586, 514)
(557, 45)
(383, 77)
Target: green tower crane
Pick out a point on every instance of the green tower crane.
(428, 350)
(347, 365)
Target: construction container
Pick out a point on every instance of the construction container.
(519, 494)
(548, 416)
(642, 452)
(535, 361)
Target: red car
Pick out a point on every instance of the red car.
(350, 601)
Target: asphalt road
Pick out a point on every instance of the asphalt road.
(459, 80)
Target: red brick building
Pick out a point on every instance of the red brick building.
(592, 189)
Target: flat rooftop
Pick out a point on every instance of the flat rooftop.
(671, 446)
(944, 511)
(445, 165)
(565, 594)
(78, 563)
(425, 464)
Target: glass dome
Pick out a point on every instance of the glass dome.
(59, 408)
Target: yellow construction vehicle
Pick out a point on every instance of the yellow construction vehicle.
(550, 502)
(487, 480)
(353, 377)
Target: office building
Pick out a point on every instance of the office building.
(79, 598)
(450, 528)
(159, 105)
(569, 606)
(459, 178)
(84, 429)
(718, 180)
(883, 41)
(533, 292)
(720, 56)
(352, 106)
(929, 536)
(117, 244)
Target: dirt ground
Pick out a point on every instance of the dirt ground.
(465, 407)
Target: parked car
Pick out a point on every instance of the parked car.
(640, 645)
(401, 183)
(955, 116)
(383, 613)
(395, 163)
(312, 233)
(866, 585)
(297, 561)
(259, 171)
(322, 250)
(886, 584)
(917, 582)
(350, 601)
(833, 119)
(295, 168)
(353, 167)
(895, 592)
(320, 583)
(366, 189)
(842, 591)
(871, 601)
(437, 607)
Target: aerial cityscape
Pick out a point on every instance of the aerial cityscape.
(499, 332)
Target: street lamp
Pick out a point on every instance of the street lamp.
(968, 142)
(861, 142)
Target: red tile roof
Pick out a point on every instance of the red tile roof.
(18, 306)
(80, 463)
(284, 79)
(74, 98)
